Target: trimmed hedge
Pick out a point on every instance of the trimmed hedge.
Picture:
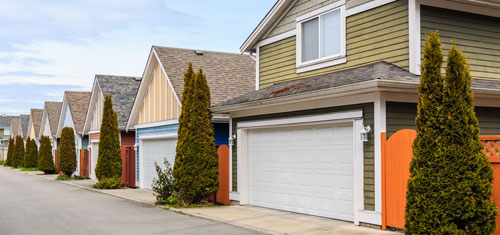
(67, 152)
(19, 152)
(31, 154)
(45, 157)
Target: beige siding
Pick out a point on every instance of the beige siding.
(160, 102)
(477, 36)
(354, 3)
(300, 8)
(32, 132)
(97, 116)
(380, 34)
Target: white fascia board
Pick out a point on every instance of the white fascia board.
(156, 124)
(158, 136)
(62, 115)
(90, 109)
(367, 6)
(471, 6)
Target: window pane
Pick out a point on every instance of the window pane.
(330, 34)
(310, 40)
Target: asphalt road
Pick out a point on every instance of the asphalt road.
(33, 205)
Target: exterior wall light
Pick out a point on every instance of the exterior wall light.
(231, 140)
(364, 133)
(136, 146)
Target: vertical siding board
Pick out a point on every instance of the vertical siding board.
(163, 102)
(157, 97)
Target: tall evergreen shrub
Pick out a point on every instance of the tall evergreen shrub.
(67, 152)
(10, 152)
(466, 192)
(45, 158)
(109, 161)
(31, 154)
(19, 152)
(423, 212)
(196, 166)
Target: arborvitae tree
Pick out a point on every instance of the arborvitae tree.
(19, 152)
(465, 197)
(109, 161)
(10, 152)
(45, 158)
(196, 166)
(67, 159)
(423, 211)
(31, 154)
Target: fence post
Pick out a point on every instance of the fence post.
(383, 168)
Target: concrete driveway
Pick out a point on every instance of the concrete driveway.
(33, 205)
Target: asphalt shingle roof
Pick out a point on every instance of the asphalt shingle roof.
(375, 71)
(78, 103)
(53, 112)
(6, 121)
(25, 120)
(14, 126)
(123, 90)
(229, 75)
(36, 118)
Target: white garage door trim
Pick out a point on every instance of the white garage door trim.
(167, 136)
(339, 117)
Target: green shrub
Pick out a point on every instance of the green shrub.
(67, 152)
(45, 158)
(10, 152)
(2, 162)
(164, 183)
(77, 177)
(29, 169)
(196, 168)
(109, 160)
(31, 154)
(109, 183)
(63, 177)
(19, 152)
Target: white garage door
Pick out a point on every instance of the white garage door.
(155, 150)
(93, 159)
(304, 169)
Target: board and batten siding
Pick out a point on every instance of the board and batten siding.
(368, 147)
(160, 102)
(477, 36)
(380, 34)
(97, 114)
(402, 116)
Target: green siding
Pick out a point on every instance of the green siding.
(380, 34)
(402, 116)
(476, 35)
(368, 119)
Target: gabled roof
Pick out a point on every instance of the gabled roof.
(78, 103)
(14, 126)
(228, 75)
(36, 120)
(23, 125)
(6, 121)
(52, 112)
(360, 79)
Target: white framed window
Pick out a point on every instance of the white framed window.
(321, 38)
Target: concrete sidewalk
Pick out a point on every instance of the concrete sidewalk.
(278, 222)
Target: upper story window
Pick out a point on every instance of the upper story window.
(6, 131)
(321, 38)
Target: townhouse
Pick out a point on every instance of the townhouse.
(34, 124)
(73, 111)
(23, 126)
(123, 90)
(48, 126)
(331, 77)
(5, 128)
(157, 105)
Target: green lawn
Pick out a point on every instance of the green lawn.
(29, 169)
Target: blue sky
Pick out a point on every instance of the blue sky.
(47, 47)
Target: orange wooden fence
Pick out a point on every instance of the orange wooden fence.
(128, 166)
(397, 153)
(224, 164)
(56, 159)
(84, 163)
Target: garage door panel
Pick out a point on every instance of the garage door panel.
(155, 150)
(305, 169)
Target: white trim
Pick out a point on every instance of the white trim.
(257, 69)
(301, 119)
(155, 124)
(344, 117)
(367, 6)
(234, 196)
(276, 38)
(94, 132)
(380, 126)
(414, 35)
(370, 217)
(141, 164)
(320, 11)
(327, 63)
(324, 61)
(172, 135)
(93, 141)
(231, 158)
(488, 8)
